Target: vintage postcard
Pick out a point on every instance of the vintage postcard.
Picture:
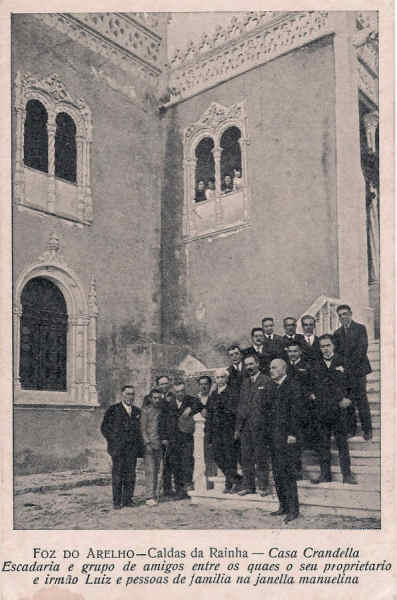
(197, 300)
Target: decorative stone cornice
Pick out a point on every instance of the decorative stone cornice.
(241, 24)
(128, 33)
(113, 36)
(249, 41)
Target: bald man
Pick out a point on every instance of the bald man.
(283, 434)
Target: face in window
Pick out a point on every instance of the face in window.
(201, 186)
(211, 185)
(237, 174)
(228, 181)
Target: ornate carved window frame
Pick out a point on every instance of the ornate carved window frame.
(52, 93)
(213, 123)
(81, 337)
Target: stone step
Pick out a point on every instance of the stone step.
(375, 363)
(367, 458)
(313, 463)
(365, 481)
(374, 376)
(326, 498)
(373, 386)
(358, 443)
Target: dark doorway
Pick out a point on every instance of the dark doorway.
(43, 336)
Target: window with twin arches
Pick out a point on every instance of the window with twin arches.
(35, 142)
(215, 166)
(53, 139)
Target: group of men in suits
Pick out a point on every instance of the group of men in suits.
(279, 396)
(295, 391)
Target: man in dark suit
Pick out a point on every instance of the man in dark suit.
(257, 348)
(283, 433)
(290, 335)
(351, 343)
(332, 410)
(236, 369)
(309, 344)
(121, 429)
(180, 426)
(220, 425)
(300, 369)
(250, 427)
(273, 344)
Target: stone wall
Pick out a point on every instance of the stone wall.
(217, 288)
(122, 246)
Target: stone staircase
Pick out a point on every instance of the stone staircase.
(335, 498)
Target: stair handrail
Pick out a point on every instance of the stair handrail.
(323, 309)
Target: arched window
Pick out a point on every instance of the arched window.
(214, 147)
(230, 157)
(53, 133)
(65, 147)
(43, 336)
(205, 168)
(36, 136)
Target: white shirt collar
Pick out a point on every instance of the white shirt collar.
(203, 399)
(255, 377)
(127, 408)
(221, 388)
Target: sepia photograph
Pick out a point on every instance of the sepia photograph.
(196, 270)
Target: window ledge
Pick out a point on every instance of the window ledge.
(60, 215)
(223, 232)
(47, 399)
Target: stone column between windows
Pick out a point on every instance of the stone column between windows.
(217, 152)
(51, 129)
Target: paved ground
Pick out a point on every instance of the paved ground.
(90, 507)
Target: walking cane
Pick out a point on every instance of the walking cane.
(161, 473)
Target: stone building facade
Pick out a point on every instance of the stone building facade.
(130, 274)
